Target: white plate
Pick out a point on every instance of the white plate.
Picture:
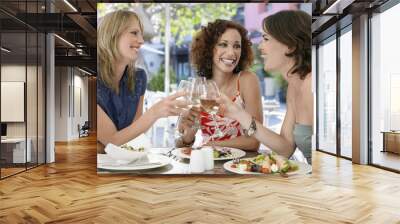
(236, 153)
(303, 169)
(154, 161)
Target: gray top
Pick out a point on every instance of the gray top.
(302, 138)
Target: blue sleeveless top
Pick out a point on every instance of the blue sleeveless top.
(122, 108)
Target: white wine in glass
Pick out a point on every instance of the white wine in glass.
(209, 95)
(210, 105)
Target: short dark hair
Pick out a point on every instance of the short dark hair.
(201, 54)
(293, 28)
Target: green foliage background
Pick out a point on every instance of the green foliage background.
(156, 83)
(185, 18)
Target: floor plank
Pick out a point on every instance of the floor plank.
(70, 191)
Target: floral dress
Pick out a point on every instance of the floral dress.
(229, 127)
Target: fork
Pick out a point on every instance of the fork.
(169, 152)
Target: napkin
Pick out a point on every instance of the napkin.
(141, 141)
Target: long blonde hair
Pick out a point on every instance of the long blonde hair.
(108, 34)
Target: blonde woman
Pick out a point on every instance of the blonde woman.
(121, 86)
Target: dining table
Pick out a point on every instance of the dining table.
(181, 166)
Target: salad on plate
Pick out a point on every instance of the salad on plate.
(264, 163)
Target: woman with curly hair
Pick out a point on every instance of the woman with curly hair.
(286, 48)
(121, 86)
(222, 52)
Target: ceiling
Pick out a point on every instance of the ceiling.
(328, 16)
(79, 27)
(34, 17)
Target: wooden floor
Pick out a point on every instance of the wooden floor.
(70, 191)
(10, 171)
(387, 159)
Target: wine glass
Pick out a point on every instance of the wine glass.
(208, 100)
(194, 96)
(185, 86)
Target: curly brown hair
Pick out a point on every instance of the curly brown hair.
(201, 54)
(293, 28)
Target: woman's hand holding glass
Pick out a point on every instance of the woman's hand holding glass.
(184, 86)
(228, 108)
(187, 122)
(169, 106)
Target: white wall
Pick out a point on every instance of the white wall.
(14, 73)
(69, 85)
(79, 117)
(12, 101)
(33, 126)
(61, 103)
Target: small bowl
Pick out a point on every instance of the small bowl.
(124, 156)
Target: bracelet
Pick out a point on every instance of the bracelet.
(252, 129)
